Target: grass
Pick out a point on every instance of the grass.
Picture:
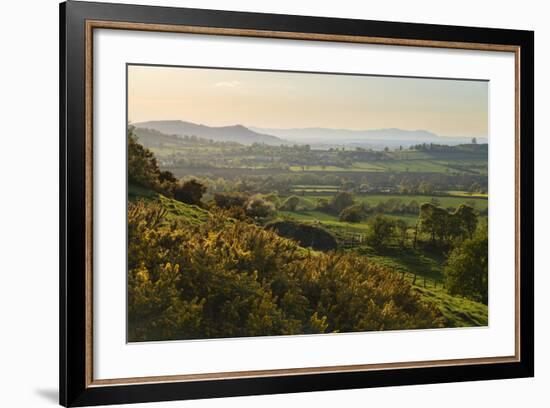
(478, 202)
(415, 261)
(318, 189)
(407, 162)
(467, 194)
(188, 213)
(458, 311)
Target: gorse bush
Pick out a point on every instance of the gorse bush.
(230, 279)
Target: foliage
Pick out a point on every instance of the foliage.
(380, 231)
(228, 200)
(221, 279)
(258, 207)
(466, 220)
(354, 213)
(306, 235)
(190, 192)
(467, 267)
(291, 203)
(340, 201)
(143, 168)
(443, 226)
(142, 165)
(401, 229)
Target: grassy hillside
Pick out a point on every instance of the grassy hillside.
(175, 209)
(408, 262)
(458, 311)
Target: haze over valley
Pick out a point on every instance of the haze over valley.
(376, 139)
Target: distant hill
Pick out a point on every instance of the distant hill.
(154, 138)
(374, 138)
(236, 133)
(316, 137)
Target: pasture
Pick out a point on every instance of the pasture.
(477, 201)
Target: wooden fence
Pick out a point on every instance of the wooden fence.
(353, 240)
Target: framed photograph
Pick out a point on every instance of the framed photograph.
(256, 203)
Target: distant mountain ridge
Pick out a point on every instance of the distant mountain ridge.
(368, 138)
(235, 133)
(316, 137)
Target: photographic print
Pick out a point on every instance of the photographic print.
(265, 203)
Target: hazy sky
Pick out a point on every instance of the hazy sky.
(218, 97)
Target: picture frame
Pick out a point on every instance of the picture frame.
(79, 21)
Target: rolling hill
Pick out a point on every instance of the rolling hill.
(236, 133)
(316, 137)
(373, 138)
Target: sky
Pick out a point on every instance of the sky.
(221, 97)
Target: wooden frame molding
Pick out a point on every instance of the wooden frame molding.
(115, 25)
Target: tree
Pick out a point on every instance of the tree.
(465, 220)
(258, 207)
(340, 201)
(380, 230)
(190, 192)
(466, 273)
(229, 200)
(143, 169)
(434, 221)
(474, 140)
(348, 185)
(412, 207)
(425, 188)
(323, 205)
(475, 188)
(401, 230)
(354, 213)
(291, 203)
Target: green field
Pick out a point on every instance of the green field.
(471, 166)
(479, 202)
(467, 194)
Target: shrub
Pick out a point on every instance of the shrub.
(228, 200)
(258, 207)
(323, 205)
(291, 203)
(190, 192)
(340, 201)
(355, 213)
(221, 279)
(306, 235)
(380, 230)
